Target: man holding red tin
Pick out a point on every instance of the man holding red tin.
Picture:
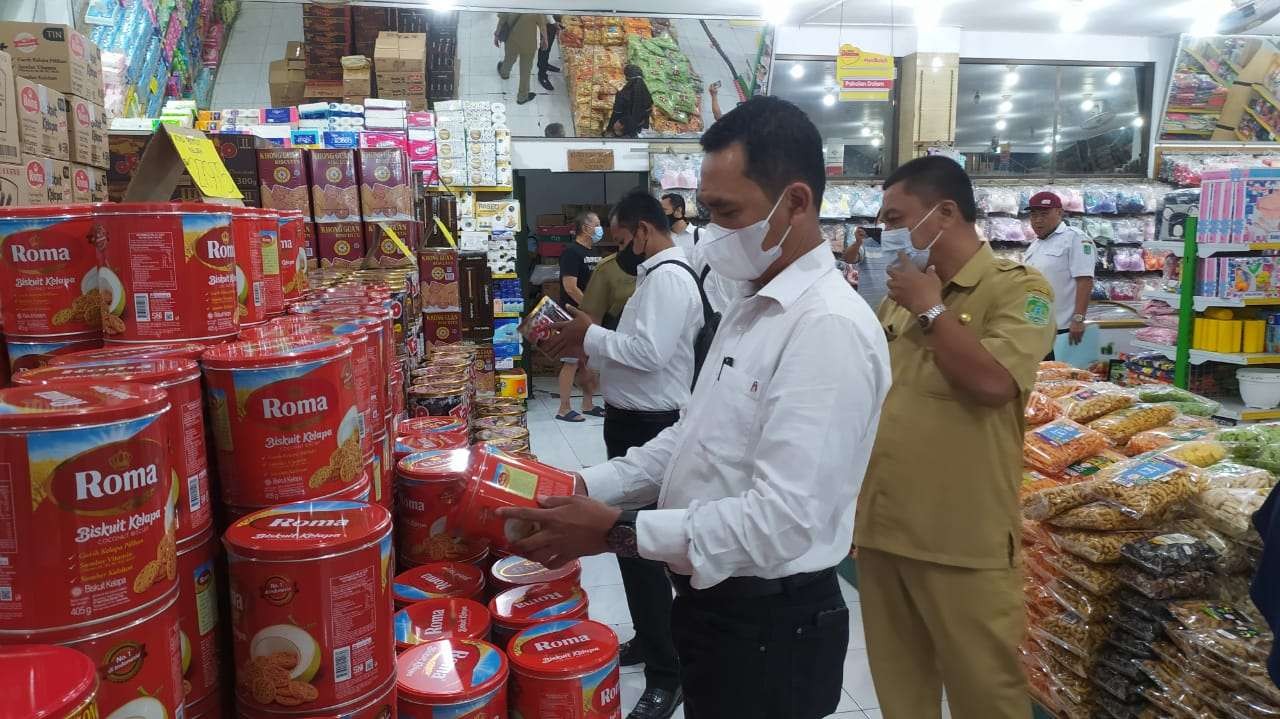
(755, 485)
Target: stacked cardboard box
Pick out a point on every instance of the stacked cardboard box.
(287, 76)
(357, 79)
(328, 32)
(367, 22)
(400, 60)
(55, 56)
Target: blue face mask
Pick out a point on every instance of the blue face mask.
(899, 239)
(597, 234)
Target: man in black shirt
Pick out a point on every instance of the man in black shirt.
(631, 106)
(576, 265)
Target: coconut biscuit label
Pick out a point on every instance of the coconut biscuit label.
(48, 276)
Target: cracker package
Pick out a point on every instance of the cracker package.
(1053, 447)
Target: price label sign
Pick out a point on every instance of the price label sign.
(204, 164)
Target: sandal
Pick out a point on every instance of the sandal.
(571, 416)
(596, 412)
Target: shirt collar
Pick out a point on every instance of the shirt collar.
(975, 268)
(799, 276)
(671, 253)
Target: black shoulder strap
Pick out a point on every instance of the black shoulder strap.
(705, 271)
(707, 312)
(697, 234)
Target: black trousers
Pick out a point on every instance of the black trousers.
(645, 581)
(776, 657)
(544, 54)
(1049, 357)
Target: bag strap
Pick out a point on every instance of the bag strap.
(707, 312)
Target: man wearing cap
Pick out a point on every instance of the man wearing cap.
(1066, 258)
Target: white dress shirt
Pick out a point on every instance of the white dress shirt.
(1061, 258)
(647, 364)
(684, 240)
(721, 292)
(760, 476)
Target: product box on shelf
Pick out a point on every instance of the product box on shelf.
(239, 156)
(9, 139)
(335, 191)
(13, 187)
(287, 77)
(357, 78)
(385, 193)
(340, 244)
(88, 183)
(382, 250)
(48, 180)
(1247, 276)
(282, 177)
(438, 268)
(442, 328)
(87, 132)
(55, 56)
(124, 153)
(1258, 203)
(42, 120)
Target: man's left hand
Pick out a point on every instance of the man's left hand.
(568, 528)
(915, 290)
(567, 337)
(1075, 333)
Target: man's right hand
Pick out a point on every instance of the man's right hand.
(496, 41)
(580, 485)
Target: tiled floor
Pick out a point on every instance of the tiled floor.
(573, 446)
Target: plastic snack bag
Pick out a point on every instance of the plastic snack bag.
(1100, 515)
(1229, 510)
(1166, 554)
(1071, 632)
(1174, 586)
(1052, 501)
(1040, 409)
(1148, 485)
(1055, 373)
(1119, 426)
(1199, 614)
(1060, 387)
(1052, 447)
(1091, 403)
(1100, 579)
(1154, 610)
(1120, 687)
(1135, 624)
(1097, 547)
(1232, 556)
(1230, 475)
(1159, 437)
(1247, 705)
(1197, 452)
(1090, 607)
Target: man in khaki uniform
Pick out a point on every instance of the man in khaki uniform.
(937, 524)
(521, 36)
(608, 292)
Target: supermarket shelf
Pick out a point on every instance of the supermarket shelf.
(1265, 125)
(1233, 408)
(1205, 66)
(1266, 95)
(474, 188)
(1208, 249)
(1195, 110)
(1204, 303)
(1169, 351)
(1202, 356)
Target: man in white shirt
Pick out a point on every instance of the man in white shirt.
(646, 368)
(721, 291)
(682, 233)
(756, 483)
(1067, 259)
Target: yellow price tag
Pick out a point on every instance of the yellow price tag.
(153, 86)
(448, 236)
(205, 166)
(391, 234)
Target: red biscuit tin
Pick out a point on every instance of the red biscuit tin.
(268, 225)
(433, 425)
(198, 617)
(382, 705)
(293, 255)
(565, 670)
(511, 572)
(137, 657)
(360, 491)
(180, 378)
(364, 357)
(501, 480)
(438, 580)
(251, 283)
(522, 607)
(116, 353)
(31, 352)
(49, 270)
(407, 444)
(452, 679)
(169, 269)
(285, 419)
(208, 708)
(428, 486)
(311, 604)
(445, 618)
(92, 503)
(48, 682)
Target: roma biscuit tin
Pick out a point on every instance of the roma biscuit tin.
(211, 707)
(428, 487)
(267, 223)
(49, 271)
(502, 480)
(377, 358)
(407, 444)
(31, 352)
(286, 423)
(452, 679)
(363, 359)
(310, 604)
(293, 255)
(511, 572)
(48, 682)
(565, 670)
(382, 705)
(384, 481)
(167, 271)
(515, 610)
(455, 428)
(251, 283)
(445, 618)
(180, 378)
(199, 587)
(114, 353)
(440, 400)
(359, 491)
(92, 502)
(137, 657)
(438, 580)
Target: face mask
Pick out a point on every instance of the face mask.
(629, 260)
(892, 241)
(672, 219)
(738, 254)
(597, 234)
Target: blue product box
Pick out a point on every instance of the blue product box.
(341, 139)
(276, 116)
(305, 138)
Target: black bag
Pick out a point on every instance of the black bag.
(710, 319)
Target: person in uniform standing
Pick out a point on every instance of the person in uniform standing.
(608, 293)
(937, 528)
(647, 369)
(1067, 260)
(520, 35)
(755, 485)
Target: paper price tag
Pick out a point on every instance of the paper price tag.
(204, 165)
(391, 235)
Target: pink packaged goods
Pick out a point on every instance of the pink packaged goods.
(1248, 276)
(335, 193)
(385, 193)
(1258, 206)
(340, 244)
(282, 173)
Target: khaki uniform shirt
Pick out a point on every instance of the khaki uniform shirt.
(608, 291)
(942, 485)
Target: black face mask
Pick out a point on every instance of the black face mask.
(672, 219)
(629, 260)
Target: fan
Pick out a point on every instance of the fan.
(1099, 121)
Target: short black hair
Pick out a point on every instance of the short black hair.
(555, 129)
(631, 70)
(677, 202)
(936, 178)
(781, 142)
(639, 206)
(581, 220)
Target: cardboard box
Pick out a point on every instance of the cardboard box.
(88, 184)
(10, 144)
(385, 192)
(48, 181)
(400, 52)
(357, 77)
(287, 77)
(340, 244)
(367, 23)
(14, 189)
(87, 132)
(55, 56)
(42, 120)
(438, 268)
(335, 189)
(282, 178)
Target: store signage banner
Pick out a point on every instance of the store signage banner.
(863, 76)
(589, 160)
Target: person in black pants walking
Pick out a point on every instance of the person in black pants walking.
(544, 55)
(646, 369)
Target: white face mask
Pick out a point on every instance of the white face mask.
(899, 239)
(739, 254)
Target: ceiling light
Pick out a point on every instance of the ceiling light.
(829, 99)
(797, 70)
(441, 5)
(928, 13)
(1005, 106)
(1209, 17)
(1114, 77)
(1073, 20)
(1087, 105)
(1047, 149)
(1001, 124)
(774, 13)
(875, 142)
(936, 62)
(1057, 138)
(1011, 77)
(866, 132)
(1138, 121)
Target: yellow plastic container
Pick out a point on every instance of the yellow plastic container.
(1230, 337)
(1255, 334)
(1219, 313)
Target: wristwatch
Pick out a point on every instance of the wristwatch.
(1077, 318)
(621, 539)
(930, 316)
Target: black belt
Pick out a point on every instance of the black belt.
(669, 416)
(753, 587)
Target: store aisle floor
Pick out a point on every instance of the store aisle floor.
(573, 446)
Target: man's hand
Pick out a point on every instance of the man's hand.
(568, 528)
(617, 127)
(1075, 333)
(542, 40)
(567, 338)
(714, 88)
(496, 41)
(908, 286)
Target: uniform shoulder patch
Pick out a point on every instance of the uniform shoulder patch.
(1005, 264)
(1037, 309)
(1086, 247)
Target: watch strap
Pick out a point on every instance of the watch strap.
(622, 539)
(929, 316)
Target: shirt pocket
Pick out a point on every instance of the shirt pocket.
(729, 429)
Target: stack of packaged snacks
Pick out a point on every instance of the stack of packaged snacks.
(1138, 553)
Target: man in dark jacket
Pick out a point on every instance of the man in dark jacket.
(631, 106)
